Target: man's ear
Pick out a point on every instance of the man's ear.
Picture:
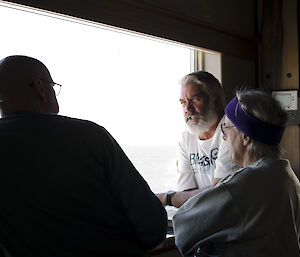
(40, 89)
(217, 105)
(246, 140)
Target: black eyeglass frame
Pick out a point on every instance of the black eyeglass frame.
(53, 84)
(224, 128)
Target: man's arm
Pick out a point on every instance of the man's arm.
(224, 167)
(186, 181)
(179, 198)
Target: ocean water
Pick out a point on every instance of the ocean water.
(157, 165)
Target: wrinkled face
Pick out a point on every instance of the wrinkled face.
(234, 138)
(199, 111)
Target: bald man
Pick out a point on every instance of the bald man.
(26, 85)
(66, 187)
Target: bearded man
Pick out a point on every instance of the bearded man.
(203, 157)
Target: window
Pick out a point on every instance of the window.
(124, 82)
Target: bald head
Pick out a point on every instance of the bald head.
(23, 87)
(17, 73)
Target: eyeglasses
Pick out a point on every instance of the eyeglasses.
(56, 86)
(195, 100)
(224, 129)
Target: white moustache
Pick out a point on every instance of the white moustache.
(190, 116)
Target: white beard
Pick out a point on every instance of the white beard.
(204, 123)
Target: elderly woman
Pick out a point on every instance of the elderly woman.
(256, 211)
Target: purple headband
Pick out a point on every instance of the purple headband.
(254, 128)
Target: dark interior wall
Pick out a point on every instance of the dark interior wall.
(233, 16)
(225, 26)
(237, 73)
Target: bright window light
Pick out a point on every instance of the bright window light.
(124, 82)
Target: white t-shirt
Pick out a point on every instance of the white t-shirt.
(200, 161)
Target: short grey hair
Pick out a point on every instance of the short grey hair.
(210, 85)
(264, 107)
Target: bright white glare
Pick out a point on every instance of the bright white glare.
(128, 84)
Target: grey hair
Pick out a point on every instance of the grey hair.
(210, 85)
(264, 107)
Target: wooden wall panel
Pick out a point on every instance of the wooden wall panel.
(290, 77)
(236, 17)
(237, 73)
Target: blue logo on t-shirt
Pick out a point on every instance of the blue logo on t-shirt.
(204, 161)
